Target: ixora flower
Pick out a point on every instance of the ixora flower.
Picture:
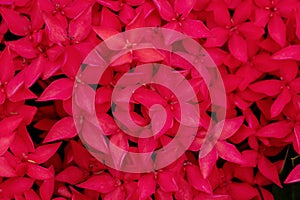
(254, 43)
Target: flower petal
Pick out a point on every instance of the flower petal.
(294, 176)
(238, 47)
(184, 7)
(44, 153)
(288, 53)
(251, 31)
(268, 169)
(38, 172)
(195, 28)
(148, 55)
(147, 186)
(6, 66)
(275, 130)
(268, 87)
(208, 162)
(16, 186)
(167, 181)
(165, 9)
(80, 27)
(5, 169)
(56, 29)
(102, 183)
(17, 24)
(63, 129)
(281, 101)
(196, 179)
(277, 30)
(60, 89)
(231, 126)
(229, 152)
(72, 175)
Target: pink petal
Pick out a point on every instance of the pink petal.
(23, 47)
(6, 66)
(46, 189)
(16, 186)
(114, 5)
(165, 9)
(44, 153)
(109, 19)
(17, 24)
(81, 155)
(195, 28)
(46, 5)
(6, 170)
(147, 186)
(266, 194)
(60, 89)
(242, 12)
(281, 101)
(15, 84)
(296, 141)
(120, 140)
(220, 12)
(38, 172)
(63, 129)
(262, 3)
(72, 175)
(102, 183)
(104, 32)
(262, 17)
(148, 97)
(22, 143)
(290, 71)
(118, 193)
(251, 31)
(288, 53)
(72, 61)
(269, 170)
(147, 144)
(265, 63)
(184, 7)
(135, 2)
(34, 70)
(231, 126)
(9, 124)
(218, 38)
(275, 130)
(30, 194)
(167, 181)
(127, 14)
(185, 190)
(229, 152)
(56, 29)
(161, 195)
(208, 162)
(196, 179)
(148, 55)
(249, 192)
(294, 176)
(74, 8)
(250, 157)
(238, 47)
(298, 23)
(137, 22)
(80, 27)
(277, 30)
(268, 87)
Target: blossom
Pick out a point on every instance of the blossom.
(43, 43)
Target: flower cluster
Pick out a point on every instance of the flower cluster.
(256, 47)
